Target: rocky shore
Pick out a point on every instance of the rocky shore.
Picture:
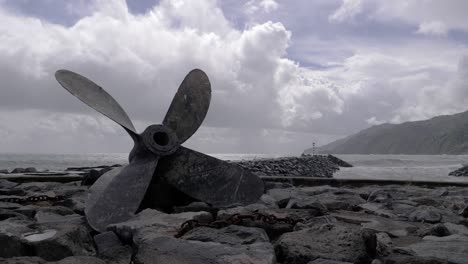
(306, 165)
(461, 172)
(289, 225)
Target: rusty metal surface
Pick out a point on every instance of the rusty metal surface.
(118, 194)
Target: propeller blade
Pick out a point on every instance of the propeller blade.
(94, 96)
(190, 105)
(210, 179)
(116, 195)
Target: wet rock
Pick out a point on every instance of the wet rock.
(342, 242)
(179, 251)
(150, 224)
(428, 214)
(453, 248)
(230, 235)
(22, 260)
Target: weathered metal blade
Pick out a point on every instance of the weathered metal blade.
(116, 195)
(94, 96)
(209, 179)
(190, 105)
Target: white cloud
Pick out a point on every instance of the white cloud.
(348, 10)
(436, 28)
(253, 6)
(141, 59)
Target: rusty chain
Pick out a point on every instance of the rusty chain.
(236, 219)
(32, 199)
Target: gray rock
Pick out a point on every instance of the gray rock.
(30, 170)
(12, 191)
(51, 218)
(179, 251)
(426, 214)
(80, 260)
(6, 213)
(342, 242)
(439, 230)
(392, 227)
(327, 261)
(150, 224)
(11, 231)
(60, 241)
(3, 171)
(379, 196)
(22, 260)
(378, 210)
(455, 229)
(106, 240)
(5, 184)
(194, 207)
(231, 235)
(405, 259)
(316, 221)
(453, 248)
(111, 250)
(464, 212)
(384, 244)
(18, 170)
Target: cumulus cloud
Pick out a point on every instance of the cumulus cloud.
(431, 16)
(348, 10)
(254, 6)
(262, 101)
(141, 59)
(433, 28)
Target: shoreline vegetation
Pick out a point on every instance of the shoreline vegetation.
(317, 220)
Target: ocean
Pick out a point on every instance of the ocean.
(405, 167)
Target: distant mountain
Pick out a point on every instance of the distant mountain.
(446, 134)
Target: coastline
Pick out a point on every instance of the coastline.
(311, 220)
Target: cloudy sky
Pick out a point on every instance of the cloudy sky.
(284, 73)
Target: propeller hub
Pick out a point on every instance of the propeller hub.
(160, 140)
